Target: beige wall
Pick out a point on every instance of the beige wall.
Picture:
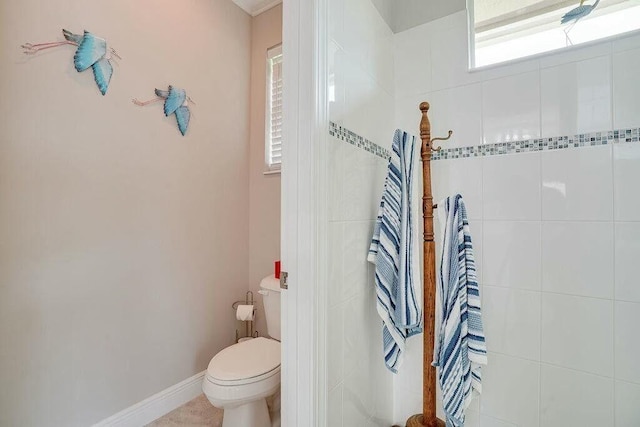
(122, 243)
(264, 222)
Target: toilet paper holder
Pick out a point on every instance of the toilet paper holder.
(249, 332)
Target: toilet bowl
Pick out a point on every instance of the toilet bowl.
(240, 377)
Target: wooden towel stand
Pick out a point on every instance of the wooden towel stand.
(428, 417)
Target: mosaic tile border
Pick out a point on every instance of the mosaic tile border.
(353, 138)
(524, 146)
(541, 144)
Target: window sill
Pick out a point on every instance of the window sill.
(273, 172)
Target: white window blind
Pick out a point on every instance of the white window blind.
(273, 128)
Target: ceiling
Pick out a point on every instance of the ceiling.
(256, 7)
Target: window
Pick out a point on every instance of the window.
(273, 128)
(503, 30)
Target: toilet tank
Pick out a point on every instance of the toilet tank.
(270, 291)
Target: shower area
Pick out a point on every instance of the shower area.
(546, 154)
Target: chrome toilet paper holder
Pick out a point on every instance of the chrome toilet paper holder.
(249, 332)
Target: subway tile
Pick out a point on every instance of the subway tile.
(360, 93)
(463, 176)
(512, 254)
(627, 253)
(449, 57)
(336, 96)
(627, 407)
(511, 390)
(357, 239)
(358, 30)
(472, 418)
(407, 113)
(458, 109)
(356, 342)
(626, 91)
(336, 244)
(486, 421)
(411, 363)
(381, 384)
(380, 59)
(412, 61)
(576, 184)
(511, 187)
(335, 346)
(357, 398)
(577, 258)
(626, 170)
(512, 321)
(334, 407)
(575, 54)
(476, 231)
(576, 97)
(511, 108)
(407, 403)
(577, 333)
(630, 42)
(336, 21)
(626, 341)
(351, 170)
(570, 398)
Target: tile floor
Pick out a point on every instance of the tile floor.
(197, 412)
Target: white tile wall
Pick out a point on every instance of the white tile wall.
(626, 91)
(576, 184)
(512, 254)
(511, 108)
(627, 408)
(462, 176)
(577, 258)
(570, 326)
(627, 252)
(361, 77)
(627, 344)
(626, 175)
(576, 97)
(571, 398)
(558, 232)
(458, 108)
(512, 321)
(511, 390)
(515, 198)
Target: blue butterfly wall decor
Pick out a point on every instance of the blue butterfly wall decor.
(92, 51)
(176, 102)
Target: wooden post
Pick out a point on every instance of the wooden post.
(428, 417)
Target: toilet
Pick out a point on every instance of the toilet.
(240, 377)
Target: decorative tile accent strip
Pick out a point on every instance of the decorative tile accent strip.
(513, 147)
(541, 144)
(353, 138)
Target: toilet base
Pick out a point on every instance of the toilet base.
(254, 414)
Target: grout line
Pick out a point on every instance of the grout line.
(541, 265)
(614, 271)
(561, 294)
(554, 365)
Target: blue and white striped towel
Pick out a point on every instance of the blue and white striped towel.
(395, 252)
(459, 337)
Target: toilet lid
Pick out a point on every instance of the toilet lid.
(244, 360)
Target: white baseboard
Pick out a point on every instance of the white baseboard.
(159, 404)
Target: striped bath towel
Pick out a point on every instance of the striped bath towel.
(395, 251)
(459, 338)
